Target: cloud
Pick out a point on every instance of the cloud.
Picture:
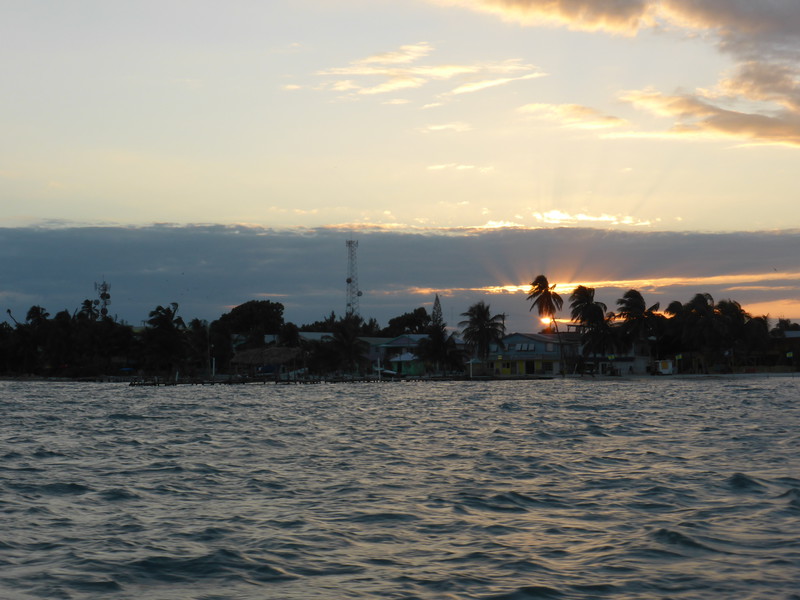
(572, 115)
(621, 16)
(557, 217)
(695, 116)
(763, 82)
(478, 86)
(759, 103)
(460, 167)
(395, 84)
(745, 29)
(209, 268)
(458, 127)
(399, 70)
(404, 55)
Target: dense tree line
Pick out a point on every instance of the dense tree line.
(87, 343)
(703, 333)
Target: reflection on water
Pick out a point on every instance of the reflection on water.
(652, 488)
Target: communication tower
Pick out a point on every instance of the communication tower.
(353, 293)
(104, 292)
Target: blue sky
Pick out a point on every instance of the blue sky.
(415, 117)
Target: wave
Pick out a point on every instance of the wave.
(505, 490)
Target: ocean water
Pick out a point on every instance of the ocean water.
(565, 489)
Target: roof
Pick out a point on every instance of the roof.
(375, 341)
(265, 356)
(550, 338)
(407, 339)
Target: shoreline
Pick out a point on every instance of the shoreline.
(151, 381)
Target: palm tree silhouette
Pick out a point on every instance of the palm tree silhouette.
(164, 339)
(597, 335)
(547, 301)
(481, 329)
(585, 309)
(347, 345)
(640, 322)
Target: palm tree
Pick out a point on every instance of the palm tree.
(640, 322)
(164, 340)
(733, 320)
(602, 338)
(584, 308)
(480, 329)
(546, 300)
(346, 344)
(37, 316)
(597, 336)
(696, 326)
(439, 348)
(89, 310)
(756, 335)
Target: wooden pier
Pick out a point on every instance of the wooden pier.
(157, 382)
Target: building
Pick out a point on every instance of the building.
(399, 354)
(531, 354)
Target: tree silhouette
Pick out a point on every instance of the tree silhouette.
(585, 309)
(411, 322)
(480, 329)
(164, 342)
(439, 347)
(347, 345)
(639, 322)
(547, 302)
(597, 335)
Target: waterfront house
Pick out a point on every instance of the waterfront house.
(530, 354)
(400, 353)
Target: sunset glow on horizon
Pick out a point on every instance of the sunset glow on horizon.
(605, 290)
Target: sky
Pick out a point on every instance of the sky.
(266, 133)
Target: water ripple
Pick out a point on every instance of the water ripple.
(562, 489)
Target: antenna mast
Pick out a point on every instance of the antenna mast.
(353, 293)
(104, 291)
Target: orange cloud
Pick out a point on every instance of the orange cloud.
(619, 16)
(646, 284)
(763, 36)
(697, 117)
